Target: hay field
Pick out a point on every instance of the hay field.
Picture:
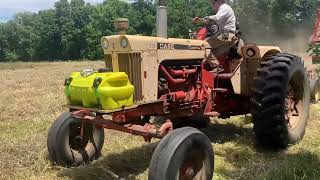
(31, 97)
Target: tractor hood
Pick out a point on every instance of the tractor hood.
(137, 43)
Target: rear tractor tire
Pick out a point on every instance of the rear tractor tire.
(281, 101)
(315, 90)
(184, 154)
(67, 147)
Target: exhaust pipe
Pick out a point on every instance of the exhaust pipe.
(162, 22)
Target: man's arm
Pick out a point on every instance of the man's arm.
(199, 20)
(221, 14)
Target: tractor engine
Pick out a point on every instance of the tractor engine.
(185, 87)
(178, 77)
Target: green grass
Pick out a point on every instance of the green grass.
(32, 97)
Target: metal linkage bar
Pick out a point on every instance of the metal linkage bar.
(148, 131)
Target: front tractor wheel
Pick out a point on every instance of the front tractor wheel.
(281, 101)
(66, 145)
(184, 154)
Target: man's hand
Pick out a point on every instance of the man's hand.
(206, 20)
(195, 20)
(200, 20)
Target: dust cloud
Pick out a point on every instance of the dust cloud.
(296, 42)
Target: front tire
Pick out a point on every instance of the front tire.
(65, 145)
(184, 154)
(281, 101)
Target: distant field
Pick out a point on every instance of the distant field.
(31, 97)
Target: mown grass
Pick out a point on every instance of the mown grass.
(31, 97)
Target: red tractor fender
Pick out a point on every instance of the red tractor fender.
(202, 33)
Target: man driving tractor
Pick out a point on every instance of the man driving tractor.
(221, 31)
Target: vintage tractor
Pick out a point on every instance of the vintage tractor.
(173, 90)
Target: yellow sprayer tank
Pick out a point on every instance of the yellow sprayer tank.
(108, 91)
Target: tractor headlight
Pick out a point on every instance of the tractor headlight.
(105, 43)
(124, 42)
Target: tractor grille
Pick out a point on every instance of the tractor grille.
(131, 64)
(108, 61)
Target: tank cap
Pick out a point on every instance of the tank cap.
(121, 24)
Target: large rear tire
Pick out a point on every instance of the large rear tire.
(184, 154)
(65, 145)
(281, 101)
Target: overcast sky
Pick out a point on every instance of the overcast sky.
(9, 7)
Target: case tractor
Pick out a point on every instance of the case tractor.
(173, 91)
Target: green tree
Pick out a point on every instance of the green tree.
(142, 17)
(181, 13)
(25, 33)
(102, 24)
(64, 27)
(3, 42)
(80, 17)
(47, 44)
(10, 56)
(17, 38)
(292, 14)
(73, 29)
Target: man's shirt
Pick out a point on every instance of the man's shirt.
(225, 19)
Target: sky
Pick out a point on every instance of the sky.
(9, 7)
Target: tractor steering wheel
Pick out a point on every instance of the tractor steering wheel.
(212, 27)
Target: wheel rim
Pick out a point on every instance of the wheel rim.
(193, 166)
(294, 101)
(76, 141)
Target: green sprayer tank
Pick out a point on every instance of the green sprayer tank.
(107, 91)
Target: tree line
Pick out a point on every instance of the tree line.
(72, 29)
